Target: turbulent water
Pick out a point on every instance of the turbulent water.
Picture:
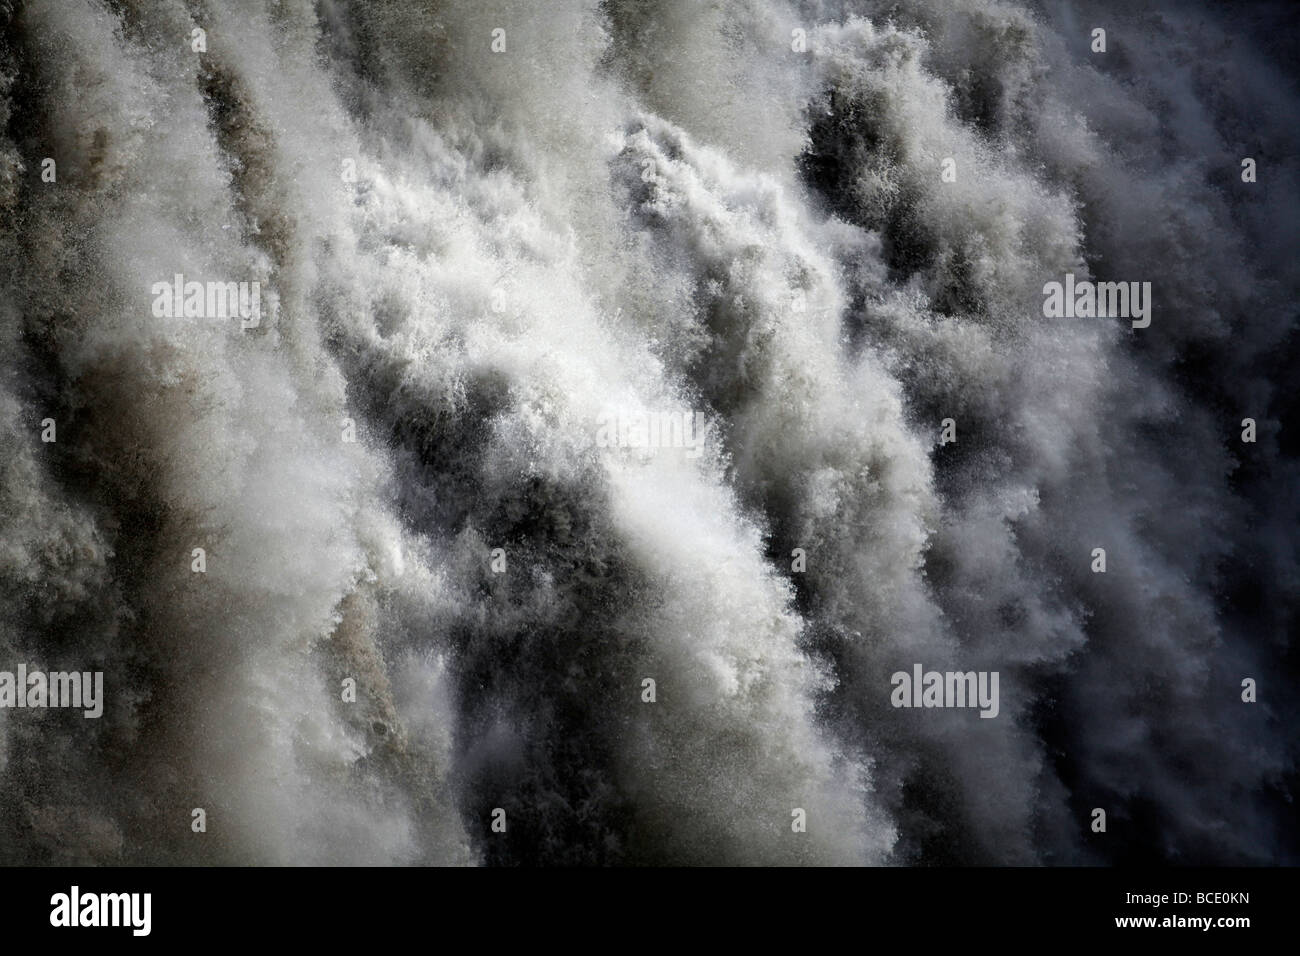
(470, 246)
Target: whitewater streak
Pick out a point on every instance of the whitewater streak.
(478, 226)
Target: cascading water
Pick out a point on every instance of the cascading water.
(480, 229)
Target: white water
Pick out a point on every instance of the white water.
(642, 191)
